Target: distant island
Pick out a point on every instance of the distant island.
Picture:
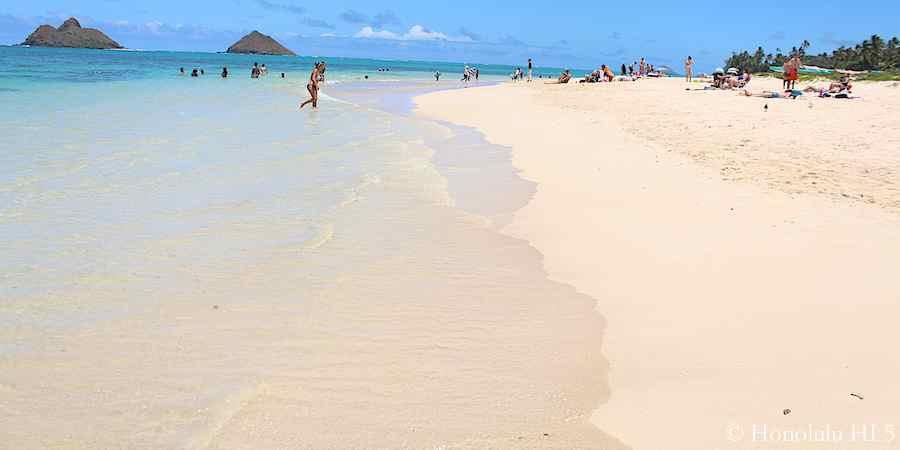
(70, 34)
(257, 43)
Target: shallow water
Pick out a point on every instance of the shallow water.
(193, 263)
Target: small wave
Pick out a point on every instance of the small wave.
(336, 100)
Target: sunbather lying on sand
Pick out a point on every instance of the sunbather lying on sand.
(563, 79)
(792, 94)
(841, 87)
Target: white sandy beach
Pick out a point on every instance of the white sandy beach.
(745, 261)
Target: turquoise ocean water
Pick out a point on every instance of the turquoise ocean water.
(112, 166)
(24, 67)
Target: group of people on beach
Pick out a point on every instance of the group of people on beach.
(520, 75)
(736, 79)
(470, 74)
(631, 72)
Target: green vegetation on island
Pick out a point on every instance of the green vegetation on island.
(875, 55)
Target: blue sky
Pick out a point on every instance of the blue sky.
(569, 34)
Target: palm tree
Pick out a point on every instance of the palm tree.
(803, 46)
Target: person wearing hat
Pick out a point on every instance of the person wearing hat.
(718, 77)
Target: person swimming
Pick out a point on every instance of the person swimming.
(313, 86)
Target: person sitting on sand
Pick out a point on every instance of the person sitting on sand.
(737, 83)
(563, 78)
(842, 85)
(718, 79)
(608, 74)
(313, 86)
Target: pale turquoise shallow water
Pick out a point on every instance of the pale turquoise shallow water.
(112, 167)
(194, 263)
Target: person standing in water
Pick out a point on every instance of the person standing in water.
(313, 86)
(689, 69)
(437, 76)
(224, 72)
(530, 69)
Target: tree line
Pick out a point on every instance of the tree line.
(871, 54)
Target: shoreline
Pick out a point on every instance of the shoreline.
(338, 286)
(726, 297)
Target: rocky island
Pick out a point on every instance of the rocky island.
(257, 43)
(70, 34)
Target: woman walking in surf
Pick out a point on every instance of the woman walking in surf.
(313, 86)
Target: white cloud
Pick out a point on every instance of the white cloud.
(370, 33)
(420, 33)
(415, 33)
(154, 26)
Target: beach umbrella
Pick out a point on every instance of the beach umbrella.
(719, 70)
(664, 69)
(732, 71)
